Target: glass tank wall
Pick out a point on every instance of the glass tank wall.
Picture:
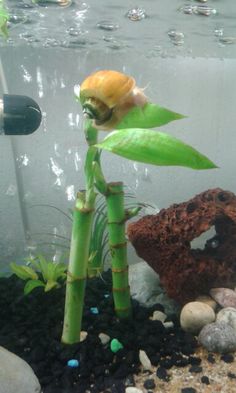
(182, 53)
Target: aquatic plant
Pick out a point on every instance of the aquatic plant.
(39, 272)
(4, 17)
(111, 100)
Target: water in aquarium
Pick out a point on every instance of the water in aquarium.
(182, 53)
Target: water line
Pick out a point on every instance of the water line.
(18, 176)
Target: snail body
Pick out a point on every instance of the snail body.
(106, 96)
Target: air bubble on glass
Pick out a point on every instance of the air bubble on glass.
(53, 3)
(176, 37)
(107, 25)
(73, 31)
(203, 9)
(12, 190)
(135, 166)
(77, 162)
(23, 160)
(227, 40)
(51, 43)
(55, 168)
(219, 32)
(136, 14)
(39, 82)
(70, 192)
(17, 17)
(26, 75)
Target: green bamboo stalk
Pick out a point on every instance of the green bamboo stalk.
(117, 241)
(79, 248)
(77, 270)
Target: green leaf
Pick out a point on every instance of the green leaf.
(152, 147)
(23, 272)
(50, 285)
(4, 17)
(149, 116)
(32, 284)
(43, 264)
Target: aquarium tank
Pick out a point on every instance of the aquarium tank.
(178, 212)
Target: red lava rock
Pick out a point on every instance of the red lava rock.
(164, 242)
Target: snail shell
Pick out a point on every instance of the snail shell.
(106, 96)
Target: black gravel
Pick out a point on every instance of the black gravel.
(205, 380)
(31, 327)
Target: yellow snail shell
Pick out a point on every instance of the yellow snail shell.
(106, 96)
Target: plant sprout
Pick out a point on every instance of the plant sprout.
(4, 17)
(40, 273)
(112, 101)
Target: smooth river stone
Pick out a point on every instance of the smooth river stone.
(225, 297)
(218, 337)
(227, 315)
(195, 315)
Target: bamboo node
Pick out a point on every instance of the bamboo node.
(121, 222)
(74, 278)
(118, 245)
(114, 270)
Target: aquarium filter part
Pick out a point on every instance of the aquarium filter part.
(19, 115)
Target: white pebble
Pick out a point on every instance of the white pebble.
(195, 315)
(144, 360)
(168, 325)
(83, 335)
(227, 315)
(132, 389)
(104, 338)
(159, 316)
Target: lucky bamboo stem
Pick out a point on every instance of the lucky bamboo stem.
(79, 249)
(118, 246)
(77, 271)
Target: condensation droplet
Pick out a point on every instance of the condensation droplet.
(70, 192)
(136, 14)
(107, 25)
(176, 37)
(11, 191)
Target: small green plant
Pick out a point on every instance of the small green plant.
(4, 17)
(38, 272)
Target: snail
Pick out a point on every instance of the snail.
(106, 96)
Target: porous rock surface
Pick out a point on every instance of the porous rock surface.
(164, 242)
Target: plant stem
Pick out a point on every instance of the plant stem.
(79, 248)
(118, 246)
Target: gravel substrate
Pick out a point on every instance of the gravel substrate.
(31, 328)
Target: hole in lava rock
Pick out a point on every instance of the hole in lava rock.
(200, 241)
